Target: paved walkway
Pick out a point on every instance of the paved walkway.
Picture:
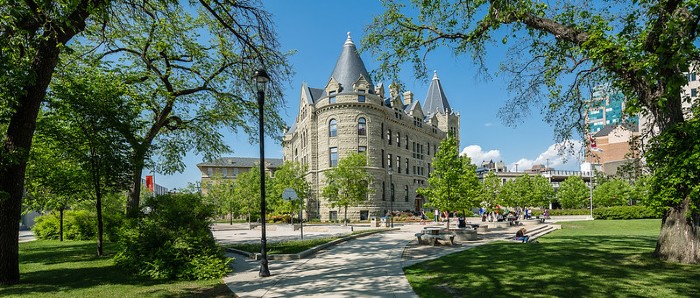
(369, 266)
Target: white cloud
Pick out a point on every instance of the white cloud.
(478, 155)
(569, 160)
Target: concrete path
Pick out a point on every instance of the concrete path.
(369, 266)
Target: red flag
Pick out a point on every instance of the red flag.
(149, 182)
(594, 146)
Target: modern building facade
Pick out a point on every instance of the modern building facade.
(606, 107)
(352, 114)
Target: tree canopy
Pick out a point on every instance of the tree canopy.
(573, 192)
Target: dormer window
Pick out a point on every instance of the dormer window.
(331, 97)
(361, 97)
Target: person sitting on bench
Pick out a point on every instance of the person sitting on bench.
(520, 235)
(462, 222)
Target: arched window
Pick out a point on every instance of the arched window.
(332, 128)
(362, 126)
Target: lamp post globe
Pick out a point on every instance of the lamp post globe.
(261, 80)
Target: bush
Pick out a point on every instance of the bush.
(173, 241)
(79, 225)
(626, 212)
(46, 227)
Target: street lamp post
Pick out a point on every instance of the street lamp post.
(590, 181)
(391, 187)
(261, 79)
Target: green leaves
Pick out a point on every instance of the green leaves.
(453, 184)
(348, 183)
(573, 193)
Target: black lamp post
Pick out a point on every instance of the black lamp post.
(261, 79)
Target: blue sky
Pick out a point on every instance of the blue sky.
(317, 29)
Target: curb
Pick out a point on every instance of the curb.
(287, 257)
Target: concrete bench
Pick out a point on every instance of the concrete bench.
(433, 239)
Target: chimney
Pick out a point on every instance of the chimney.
(408, 98)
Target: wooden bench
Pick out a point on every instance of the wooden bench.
(433, 239)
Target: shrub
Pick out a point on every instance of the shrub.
(173, 241)
(46, 227)
(79, 225)
(626, 212)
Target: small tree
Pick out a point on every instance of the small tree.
(453, 184)
(572, 192)
(348, 183)
(491, 190)
(614, 192)
(289, 175)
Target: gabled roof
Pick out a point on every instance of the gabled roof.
(242, 162)
(350, 67)
(436, 101)
(608, 128)
(312, 94)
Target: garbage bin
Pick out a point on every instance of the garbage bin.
(373, 222)
(385, 222)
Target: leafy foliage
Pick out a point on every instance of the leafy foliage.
(614, 192)
(573, 193)
(173, 241)
(348, 183)
(527, 190)
(453, 184)
(289, 175)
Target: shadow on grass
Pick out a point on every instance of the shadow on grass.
(72, 268)
(605, 266)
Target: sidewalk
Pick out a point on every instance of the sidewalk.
(369, 266)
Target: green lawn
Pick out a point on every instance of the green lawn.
(585, 259)
(72, 269)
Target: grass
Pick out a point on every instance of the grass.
(602, 258)
(72, 269)
(291, 246)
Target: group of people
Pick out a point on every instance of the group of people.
(499, 215)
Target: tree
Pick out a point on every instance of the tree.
(453, 184)
(289, 175)
(32, 35)
(492, 188)
(527, 190)
(614, 192)
(348, 183)
(84, 115)
(187, 88)
(222, 193)
(247, 192)
(559, 51)
(573, 192)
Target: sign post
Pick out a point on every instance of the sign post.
(289, 194)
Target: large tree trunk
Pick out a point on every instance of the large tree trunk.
(679, 239)
(14, 155)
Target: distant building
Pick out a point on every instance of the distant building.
(230, 167)
(606, 107)
(351, 114)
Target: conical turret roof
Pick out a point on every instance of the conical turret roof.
(350, 67)
(436, 101)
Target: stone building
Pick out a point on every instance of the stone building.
(352, 114)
